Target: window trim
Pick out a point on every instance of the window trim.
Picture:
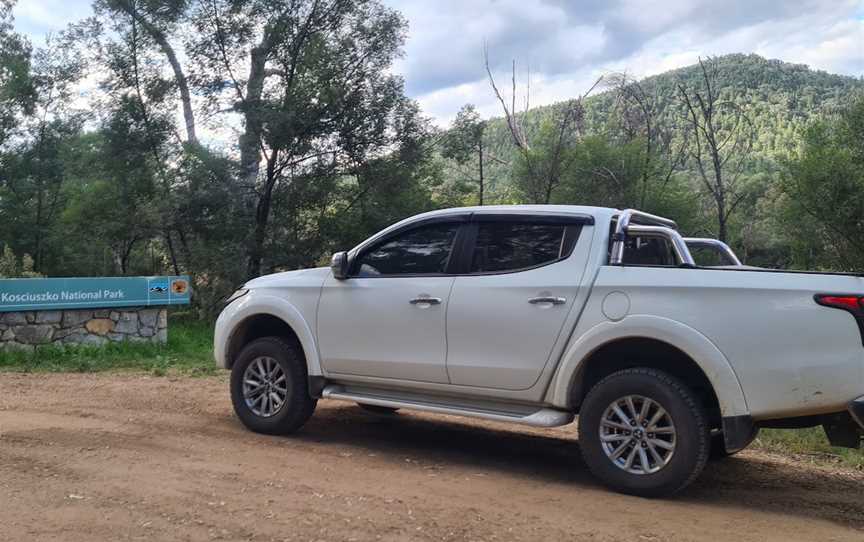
(464, 242)
(534, 218)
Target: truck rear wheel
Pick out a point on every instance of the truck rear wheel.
(643, 432)
(269, 388)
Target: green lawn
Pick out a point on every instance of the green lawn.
(190, 351)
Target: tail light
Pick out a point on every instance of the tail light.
(854, 304)
(846, 302)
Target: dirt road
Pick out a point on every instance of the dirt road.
(130, 457)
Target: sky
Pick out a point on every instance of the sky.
(563, 46)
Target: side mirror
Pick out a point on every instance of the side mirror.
(339, 265)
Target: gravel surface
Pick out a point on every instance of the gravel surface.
(92, 457)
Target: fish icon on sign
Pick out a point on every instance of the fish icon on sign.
(159, 287)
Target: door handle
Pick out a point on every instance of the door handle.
(426, 301)
(552, 300)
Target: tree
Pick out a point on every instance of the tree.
(636, 118)
(824, 189)
(721, 139)
(538, 171)
(12, 267)
(34, 173)
(308, 78)
(464, 143)
(159, 19)
(17, 92)
(117, 202)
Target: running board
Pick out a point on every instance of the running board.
(544, 417)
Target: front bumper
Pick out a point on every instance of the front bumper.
(856, 410)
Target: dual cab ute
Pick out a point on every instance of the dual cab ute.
(536, 314)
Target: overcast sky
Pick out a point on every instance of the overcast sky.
(567, 44)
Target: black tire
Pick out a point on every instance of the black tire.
(376, 409)
(692, 433)
(298, 405)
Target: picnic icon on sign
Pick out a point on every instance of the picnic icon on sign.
(179, 286)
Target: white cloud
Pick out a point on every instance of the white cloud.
(36, 18)
(568, 43)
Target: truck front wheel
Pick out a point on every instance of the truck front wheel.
(269, 388)
(643, 432)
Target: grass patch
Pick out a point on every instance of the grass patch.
(810, 442)
(189, 351)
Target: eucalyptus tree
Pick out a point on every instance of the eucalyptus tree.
(160, 21)
(823, 193)
(306, 81)
(17, 92)
(17, 97)
(543, 155)
(464, 144)
(34, 164)
(635, 123)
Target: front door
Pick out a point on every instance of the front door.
(387, 319)
(507, 313)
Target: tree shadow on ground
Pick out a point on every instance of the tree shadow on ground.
(750, 481)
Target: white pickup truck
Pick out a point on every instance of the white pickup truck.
(534, 314)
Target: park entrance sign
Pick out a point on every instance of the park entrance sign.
(90, 311)
(71, 293)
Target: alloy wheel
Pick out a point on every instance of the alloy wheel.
(638, 435)
(265, 387)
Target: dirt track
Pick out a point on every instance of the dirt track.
(127, 457)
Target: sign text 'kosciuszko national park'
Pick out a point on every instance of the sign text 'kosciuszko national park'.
(92, 292)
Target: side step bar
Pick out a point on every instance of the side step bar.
(544, 417)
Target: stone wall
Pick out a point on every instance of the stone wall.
(32, 329)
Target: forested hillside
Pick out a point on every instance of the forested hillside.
(636, 145)
(782, 99)
(230, 139)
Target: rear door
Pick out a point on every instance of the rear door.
(508, 308)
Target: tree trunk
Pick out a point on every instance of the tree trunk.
(720, 193)
(38, 249)
(179, 77)
(250, 140)
(250, 160)
(480, 160)
(171, 252)
(262, 217)
(550, 186)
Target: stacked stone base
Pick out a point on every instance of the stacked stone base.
(93, 327)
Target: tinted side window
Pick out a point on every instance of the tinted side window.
(509, 246)
(708, 257)
(648, 251)
(425, 250)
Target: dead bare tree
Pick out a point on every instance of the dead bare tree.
(722, 137)
(542, 168)
(637, 108)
